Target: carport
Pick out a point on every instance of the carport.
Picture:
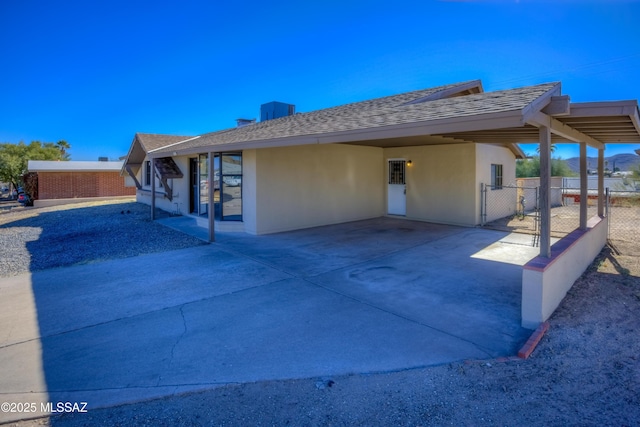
(449, 116)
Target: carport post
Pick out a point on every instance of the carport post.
(153, 190)
(584, 190)
(601, 182)
(212, 216)
(545, 180)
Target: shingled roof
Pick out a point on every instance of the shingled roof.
(144, 143)
(371, 115)
(151, 141)
(454, 113)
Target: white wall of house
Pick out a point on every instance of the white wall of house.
(503, 201)
(441, 182)
(306, 186)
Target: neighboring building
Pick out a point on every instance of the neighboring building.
(60, 181)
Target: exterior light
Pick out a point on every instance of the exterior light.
(409, 163)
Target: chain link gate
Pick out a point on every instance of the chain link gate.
(515, 208)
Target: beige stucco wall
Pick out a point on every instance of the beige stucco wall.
(503, 201)
(545, 282)
(307, 186)
(249, 188)
(288, 188)
(441, 182)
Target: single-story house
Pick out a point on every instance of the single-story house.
(61, 182)
(423, 155)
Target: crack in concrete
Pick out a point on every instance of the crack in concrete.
(184, 331)
(175, 344)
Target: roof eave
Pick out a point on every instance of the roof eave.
(540, 102)
(474, 122)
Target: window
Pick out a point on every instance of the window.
(147, 173)
(496, 177)
(396, 172)
(231, 182)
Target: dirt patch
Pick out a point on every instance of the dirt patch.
(585, 371)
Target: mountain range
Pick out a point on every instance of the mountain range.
(624, 162)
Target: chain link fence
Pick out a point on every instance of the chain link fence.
(624, 216)
(515, 208)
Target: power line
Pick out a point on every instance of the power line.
(565, 70)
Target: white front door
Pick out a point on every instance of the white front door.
(397, 189)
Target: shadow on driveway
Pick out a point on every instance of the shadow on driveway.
(369, 296)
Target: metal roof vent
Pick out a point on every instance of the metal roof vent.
(244, 122)
(275, 110)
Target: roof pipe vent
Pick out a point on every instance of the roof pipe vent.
(245, 122)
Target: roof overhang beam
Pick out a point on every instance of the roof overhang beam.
(557, 127)
(559, 106)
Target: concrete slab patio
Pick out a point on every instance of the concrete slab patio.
(369, 296)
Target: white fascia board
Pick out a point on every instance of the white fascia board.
(517, 151)
(609, 108)
(73, 166)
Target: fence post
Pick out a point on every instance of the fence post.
(606, 211)
(483, 204)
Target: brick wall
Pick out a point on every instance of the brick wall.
(68, 185)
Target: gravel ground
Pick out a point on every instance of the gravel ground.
(585, 371)
(38, 238)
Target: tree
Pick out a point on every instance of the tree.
(63, 146)
(15, 157)
(552, 148)
(526, 168)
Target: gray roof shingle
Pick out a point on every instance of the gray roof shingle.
(151, 141)
(375, 113)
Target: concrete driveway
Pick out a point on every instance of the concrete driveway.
(369, 296)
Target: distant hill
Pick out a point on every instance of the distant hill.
(624, 162)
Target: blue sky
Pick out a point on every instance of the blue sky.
(94, 73)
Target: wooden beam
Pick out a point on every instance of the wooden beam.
(133, 175)
(545, 189)
(584, 192)
(563, 130)
(212, 207)
(153, 192)
(168, 191)
(559, 106)
(634, 115)
(601, 183)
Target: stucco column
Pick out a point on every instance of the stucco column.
(601, 182)
(212, 214)
(584, 189)
(153, 189)
(545, 181)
